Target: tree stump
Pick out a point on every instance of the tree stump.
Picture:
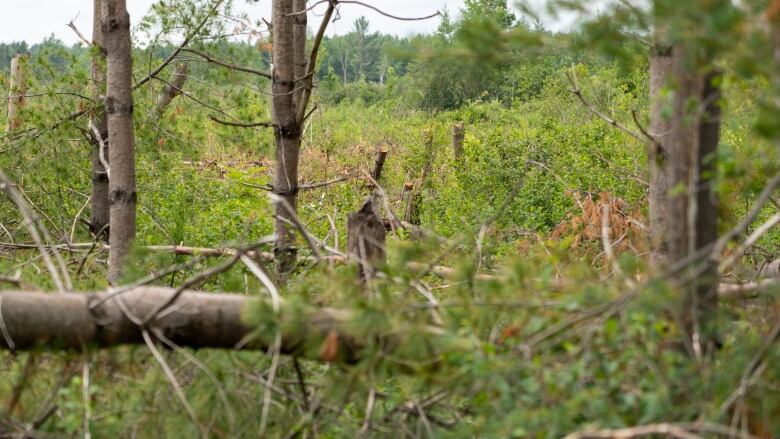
(17, 90)
(458, 135)
(366, 237)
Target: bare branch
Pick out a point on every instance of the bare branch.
(183, 44)
(242, 124)
(213, 60)
(595, 111)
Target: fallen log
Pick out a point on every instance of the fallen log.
(71, 321)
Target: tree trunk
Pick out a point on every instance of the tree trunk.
(412, 212)
(705, 212)
(299, 50)
(71, 321)
(657, 160)
(286, 133)
(692, 218)
(379, 163)
(17, 90)
(100, 207)
(119, 110)
(457, 140)
(172, 89)
(366, 237)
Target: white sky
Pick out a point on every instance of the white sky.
(32, 20)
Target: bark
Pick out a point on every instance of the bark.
(683, 141)
(172, 89)
(17, 90)
(71, 321)
(115, 23)
(412, 212)
(660, 128)
(692, 215)
(100, 208)
(705, 210)
(457, 140)
(379, 163)
(286, 133)
(366, 237)
(299, 50)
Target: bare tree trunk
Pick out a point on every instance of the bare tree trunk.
(299, 50)
(286, 133)
(17, 90)
(366, 237)
(198, 320)
(705, 213)
(379, 164)
(412, 212)
(458, 136)
(658, 160)
(692, 223)
(119, 110)
(100, 208)
(72, 320)
(172, 89)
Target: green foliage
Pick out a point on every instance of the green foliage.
(530, 337)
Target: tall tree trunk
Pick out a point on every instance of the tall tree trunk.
(704, 300)
(286, 133)
(692, 223)
(660, 128)
(17, 90)
(100, 207)
(119, 110)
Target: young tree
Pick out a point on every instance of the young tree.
(115, 25)
(292, 80)
(99, 221)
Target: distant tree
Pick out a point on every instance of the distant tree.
(495, 11)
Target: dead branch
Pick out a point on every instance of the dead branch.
(178, 49)
(213, 60)
(242, 124)
(596, 112)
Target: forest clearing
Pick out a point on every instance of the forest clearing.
(214, 225)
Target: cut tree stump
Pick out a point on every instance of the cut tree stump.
(17, 90)
(458, 135)
(366, 237)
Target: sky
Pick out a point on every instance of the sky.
(33, 20)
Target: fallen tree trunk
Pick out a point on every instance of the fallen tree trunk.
(70, 321)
